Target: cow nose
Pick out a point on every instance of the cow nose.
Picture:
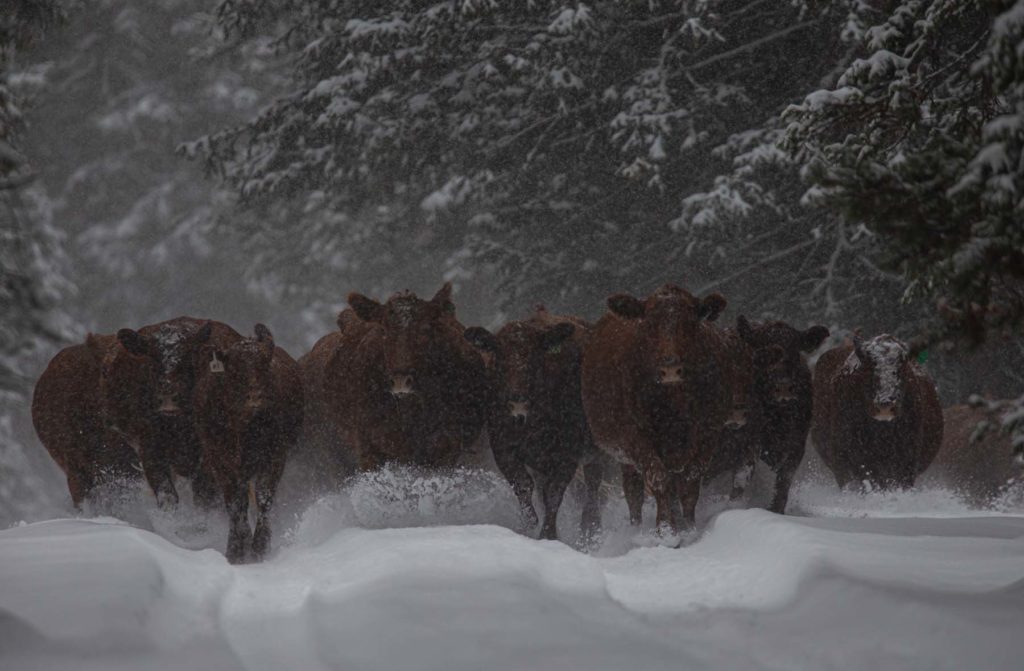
(784, 391)
(519, 410)
(670, 373)
(168, 406)
(885, 411)
(255, 401)
(737, 418)
(401, 383)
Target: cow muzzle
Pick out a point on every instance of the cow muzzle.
(402, 384)
(168, 407)
(519, 410)
(886, 411)
(670, 373)
(737, 418)
(784, 391)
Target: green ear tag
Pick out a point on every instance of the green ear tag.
(555, 349)
(922, 356)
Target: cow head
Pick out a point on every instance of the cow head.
(243, 373)
(170, 353)
(670, 318)
(417, 336)
(778, 356)
(528, 358)
(126, 378)
(881, 367)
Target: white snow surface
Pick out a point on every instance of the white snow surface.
(403, 570)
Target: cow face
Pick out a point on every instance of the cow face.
(881, 366)
(415, 336)
(778, 356)
(170, 352)
(528, 357)
(243, 373)
(670, 318)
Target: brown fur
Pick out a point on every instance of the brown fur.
(980, 470)
(858, 448)
(151, 367)
(536, 370)
(669, 432)
(348, 377)
(68, 419)
(248, 417)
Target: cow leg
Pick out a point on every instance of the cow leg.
(741, 479)
(157, 469)
(552, 491)
(236, 498)
(266, 488)
(204, 487)
(518, 477)
(633, 490)
(80, 485)
(590, 521)
(689, 493)
(783, 481)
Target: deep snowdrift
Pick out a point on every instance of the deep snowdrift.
(756, 590)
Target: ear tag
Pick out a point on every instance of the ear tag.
(922, 356)
(216, 365)
(555, 349)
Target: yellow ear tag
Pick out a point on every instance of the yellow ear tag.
(216, 365)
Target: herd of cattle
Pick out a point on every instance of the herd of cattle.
(655, 384)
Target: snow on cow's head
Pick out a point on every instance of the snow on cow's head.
(886, 360)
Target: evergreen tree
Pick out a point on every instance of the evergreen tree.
(920, 139)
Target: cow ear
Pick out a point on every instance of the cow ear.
(481, 338)
(443, 298)
(744, 328)
(858, 348)
(626, 306)
(812, 338)
(711, 306)
(203, 334)
(133, 341)
(767, 356)
(265, 338)
(365, 308)
(556, 335)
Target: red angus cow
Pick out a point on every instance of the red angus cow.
(68, 418)
(248, 414)
(877, 417)
(148, 398)
(398, 383)
(536, 421)
(655, 394)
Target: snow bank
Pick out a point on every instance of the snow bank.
(757, 590)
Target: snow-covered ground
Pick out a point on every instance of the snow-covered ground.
(405, 571)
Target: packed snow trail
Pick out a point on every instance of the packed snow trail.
(757, 590)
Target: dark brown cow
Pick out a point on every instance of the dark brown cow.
(147, 397)
(780, 403)
(68, 419)
(980, 469)
(248, 414)
(655, 395)
(536, 420)
(398, 383)
(877, 417)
